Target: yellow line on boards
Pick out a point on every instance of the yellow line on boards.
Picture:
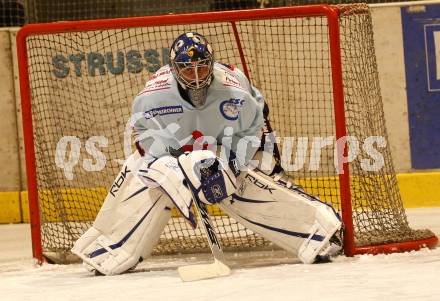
(418, 189)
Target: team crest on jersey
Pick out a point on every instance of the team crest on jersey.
(230, 108)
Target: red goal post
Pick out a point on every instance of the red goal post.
(307, 60)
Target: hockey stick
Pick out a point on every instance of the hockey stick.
(203, 271)
(267, 130)
(211, 270)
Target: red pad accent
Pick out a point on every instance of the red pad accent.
(139, 148)
(197, 134)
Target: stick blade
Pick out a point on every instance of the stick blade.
(204, 271)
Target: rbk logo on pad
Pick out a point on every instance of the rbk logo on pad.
(259, 184)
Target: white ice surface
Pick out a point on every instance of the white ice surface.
(408, 276)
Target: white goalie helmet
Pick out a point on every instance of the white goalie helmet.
(192, 62)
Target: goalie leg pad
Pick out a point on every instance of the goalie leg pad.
(130, 239)
(290, 218)
(127, 227)
(325, 226)
(166, 173)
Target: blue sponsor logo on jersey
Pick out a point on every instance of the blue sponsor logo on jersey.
(230, 108)
(163, 111)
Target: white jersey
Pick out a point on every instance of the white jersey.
(164, 119)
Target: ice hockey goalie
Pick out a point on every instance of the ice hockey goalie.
(213, 115)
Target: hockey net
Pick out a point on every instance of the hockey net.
(314, 64)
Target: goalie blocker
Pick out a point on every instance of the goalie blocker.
(138, 206)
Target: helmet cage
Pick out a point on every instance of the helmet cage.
(192, 61)
(194, 75)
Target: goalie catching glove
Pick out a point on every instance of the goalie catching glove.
(207, 176)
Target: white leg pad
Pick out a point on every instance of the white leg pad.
(325, 226)
(288, 217)
(127, 227)
(120, 250)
